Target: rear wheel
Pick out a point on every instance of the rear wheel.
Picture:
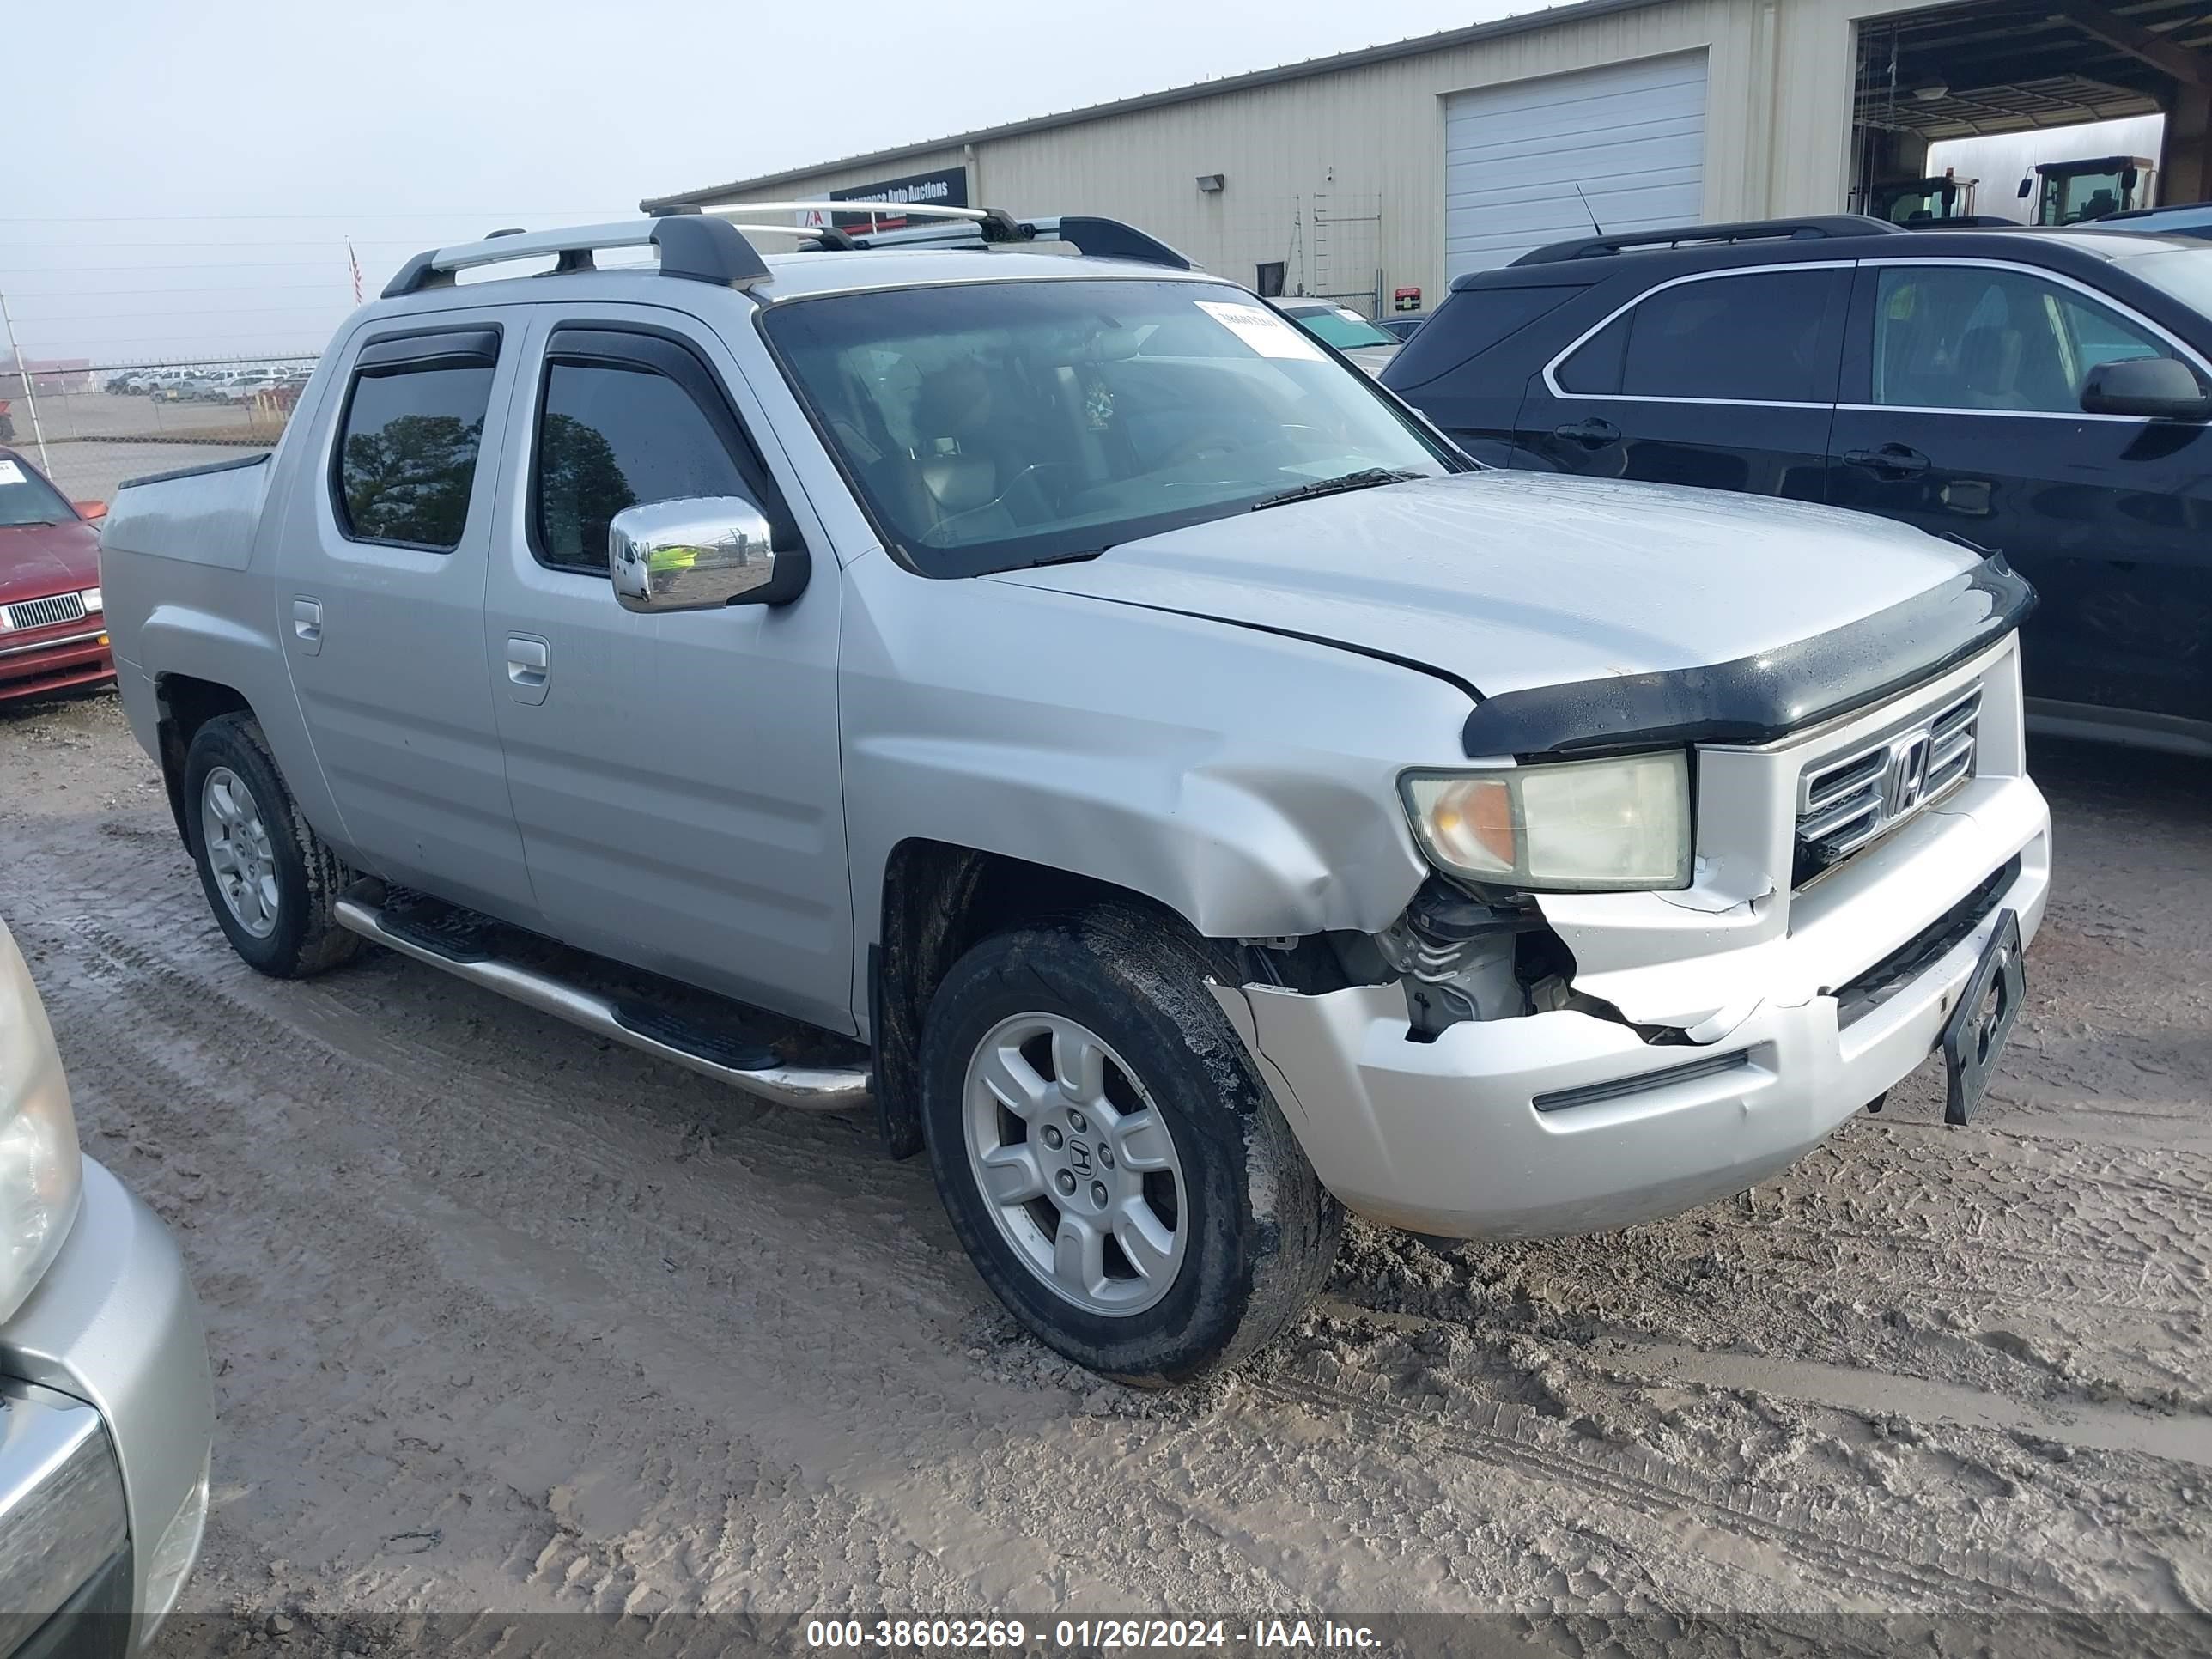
(270, 881)
(1118, 1173)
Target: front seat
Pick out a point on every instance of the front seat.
(955, 457)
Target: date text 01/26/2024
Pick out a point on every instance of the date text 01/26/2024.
(1157, 1635)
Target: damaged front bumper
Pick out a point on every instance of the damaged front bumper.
(1778, 1015)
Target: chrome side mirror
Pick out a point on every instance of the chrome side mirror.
(700, 553)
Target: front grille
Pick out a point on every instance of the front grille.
(1846, 802)
(43, 613)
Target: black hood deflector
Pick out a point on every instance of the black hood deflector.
(1759, 699)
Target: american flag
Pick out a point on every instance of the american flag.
(355, 263)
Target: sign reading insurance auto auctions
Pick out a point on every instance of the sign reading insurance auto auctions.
(946, 187)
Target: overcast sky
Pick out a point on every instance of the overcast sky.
(181, 180)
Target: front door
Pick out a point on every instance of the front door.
(676, 776)
(379, 604)
(1962, 413)
(1724, 380)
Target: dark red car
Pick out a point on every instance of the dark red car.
(54, 633)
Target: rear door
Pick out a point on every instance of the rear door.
(380, 603)
(1962, 413)
(676, 777)
(1724, 380)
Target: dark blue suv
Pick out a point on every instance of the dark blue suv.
(2044, 393)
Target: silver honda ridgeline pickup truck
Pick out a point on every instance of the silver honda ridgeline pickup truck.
(1049, 694)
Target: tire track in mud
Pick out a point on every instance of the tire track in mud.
(1516, 1438)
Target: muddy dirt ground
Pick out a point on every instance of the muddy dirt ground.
(506, 1318)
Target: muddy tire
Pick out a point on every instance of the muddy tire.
(1119, 1174)
(270, 881)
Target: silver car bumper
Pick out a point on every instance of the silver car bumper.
(1566, 1122)
(109, 1417)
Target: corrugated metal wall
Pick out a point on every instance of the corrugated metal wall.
(1370, 139)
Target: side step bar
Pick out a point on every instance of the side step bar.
(806, 1088)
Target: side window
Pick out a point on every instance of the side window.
(617, 430)
(1766, 336)
(1970, 336)
(407, 444)
(1470, 323)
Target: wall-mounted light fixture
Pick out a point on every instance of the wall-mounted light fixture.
(1210, 183)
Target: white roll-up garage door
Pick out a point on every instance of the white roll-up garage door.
(1631, 135)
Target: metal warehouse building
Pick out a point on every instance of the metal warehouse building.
(1377, 175)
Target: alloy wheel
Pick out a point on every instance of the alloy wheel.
(1075, 1164)
(238, 851)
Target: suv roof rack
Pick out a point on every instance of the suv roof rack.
(707, 245)
(1817, 227)
(959, 228)
(700, 250)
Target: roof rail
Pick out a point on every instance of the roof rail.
(1100, 238)
(707, 246)
(698, 248)
(1814, 228)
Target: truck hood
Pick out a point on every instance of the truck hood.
(1512, 580)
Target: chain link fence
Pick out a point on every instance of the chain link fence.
(90, 425)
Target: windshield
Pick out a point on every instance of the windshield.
(1341, 328)
(2185, 273)
(993, 425)
(26, 498)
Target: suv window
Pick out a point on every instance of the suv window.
(407, 446)
(1470, 323)
(612, 435)
(1970, 337)
(1766, 336)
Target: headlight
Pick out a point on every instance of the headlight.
(41, 1173)
(1587, 826)
(92, 599)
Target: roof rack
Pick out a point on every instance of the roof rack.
(968, 227)
(705, 245)
(700, 250)
(1819, 227)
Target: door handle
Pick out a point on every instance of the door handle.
(1593, 434)
(1890, 461)
(529, 668)
(307, 625)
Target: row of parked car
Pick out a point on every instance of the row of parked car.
(210, 385)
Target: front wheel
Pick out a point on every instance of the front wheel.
(1119, 1174)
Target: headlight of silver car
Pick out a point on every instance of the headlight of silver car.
(1568, 826)
(41, 1173)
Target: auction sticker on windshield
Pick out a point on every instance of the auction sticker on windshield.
(10, 473)
(1260, 329)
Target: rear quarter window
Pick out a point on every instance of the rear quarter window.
(406, 458)
(1471, 322)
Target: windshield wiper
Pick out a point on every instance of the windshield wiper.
(1366, 478)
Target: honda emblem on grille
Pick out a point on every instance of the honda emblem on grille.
(1905, 780)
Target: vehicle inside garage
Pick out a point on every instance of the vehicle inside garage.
(1959, 71)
